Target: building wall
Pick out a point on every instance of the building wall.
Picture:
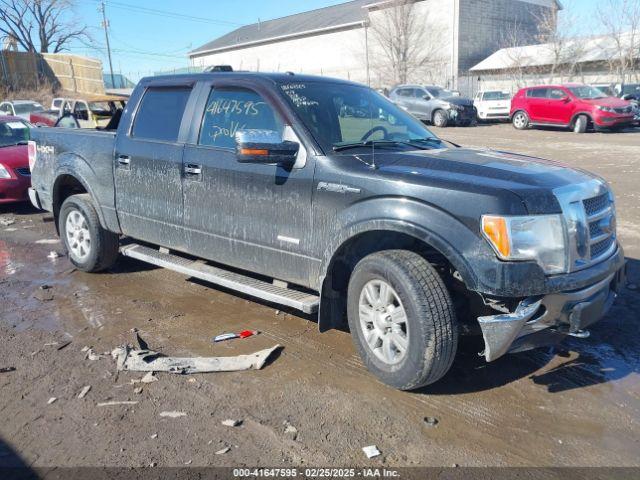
(594, 74)
(485, 27)
(337, 54)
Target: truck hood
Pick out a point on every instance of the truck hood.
(462, 101)
(532, 179)
(15, 156)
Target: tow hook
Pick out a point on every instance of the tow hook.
(580, 334)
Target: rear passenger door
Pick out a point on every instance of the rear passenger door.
(148, 167)
(255, 217)
(537, 103)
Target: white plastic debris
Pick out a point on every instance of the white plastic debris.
(231, 423)
(149, 378)
(223, 451)
(84, 391)
(53, 255)
(48, 241)
(150, 361)
(6, 221)
(51, 400)
(93, 356)
(371, 451)
(173, 414)
(115, 404)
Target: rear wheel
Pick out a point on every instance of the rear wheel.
(402, 319)
(440, 118)
(91, 248)
(581, 124)
(521, 120)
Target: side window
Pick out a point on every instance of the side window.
(403, 92)
(160, 113)
(4, 108)
(232, 109)
(537, 93)
(420, 93)
(556, 94)
(81, 111)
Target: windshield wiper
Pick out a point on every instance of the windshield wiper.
(375, 143)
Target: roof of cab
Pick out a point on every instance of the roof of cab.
(277, 78)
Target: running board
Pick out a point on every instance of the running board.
(305, 302)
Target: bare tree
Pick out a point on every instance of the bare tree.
(562, 49)
(516, 60)
(41, 25)
(621, 21)
(405, 44)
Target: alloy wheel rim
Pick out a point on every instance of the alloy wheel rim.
(78, 235)
(520, 120)
(384, 322)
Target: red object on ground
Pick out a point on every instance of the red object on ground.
(247, 333)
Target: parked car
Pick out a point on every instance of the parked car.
(94, 112)
(374, 218)
(15, 176)
(574, 106)
(436, 105)
(20, 108)
(493, 105)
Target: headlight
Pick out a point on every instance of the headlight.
(536, 237)
(605, 109)
(3, 172)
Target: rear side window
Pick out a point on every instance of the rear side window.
(232, 109)
(160, 113)
(537, 93)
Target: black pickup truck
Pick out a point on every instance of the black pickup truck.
(267, 185)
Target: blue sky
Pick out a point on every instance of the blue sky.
(143, 42)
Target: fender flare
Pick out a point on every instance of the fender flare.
(331, 307)
(577, 114)
(67, 166)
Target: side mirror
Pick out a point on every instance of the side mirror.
(566, 99)
(265, 147)
(628, 97)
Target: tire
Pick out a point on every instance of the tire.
(91, 248)
(440, 118)
(581, 124)
(429, 331)
(520, 120)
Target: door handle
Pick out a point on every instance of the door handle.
(124, 160)
(191, 169)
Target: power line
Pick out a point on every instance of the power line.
(168, 14)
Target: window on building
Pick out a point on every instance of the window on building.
(160, 113)
(232, 109)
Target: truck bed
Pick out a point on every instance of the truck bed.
(88, 154)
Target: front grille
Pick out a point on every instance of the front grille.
(25, 172)
(593, 206)
(600, 214)
(623, 110)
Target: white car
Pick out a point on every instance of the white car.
(493, 105)
(20, 108)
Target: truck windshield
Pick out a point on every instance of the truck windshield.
(340, 114)
(13, 132)
(22, 108)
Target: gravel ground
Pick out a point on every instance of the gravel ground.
(574, 406)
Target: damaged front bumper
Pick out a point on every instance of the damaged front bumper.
(547, 320)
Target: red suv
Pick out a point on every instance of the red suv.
(573, 106)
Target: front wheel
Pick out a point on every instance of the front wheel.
(440, 118)
(581, 124)
(402, 319)
(91, 248)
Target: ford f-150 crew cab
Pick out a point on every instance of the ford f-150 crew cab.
(261, 183)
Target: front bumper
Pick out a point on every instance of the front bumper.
(14, 189)
(545, 320)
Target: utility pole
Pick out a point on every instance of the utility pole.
(105, 24)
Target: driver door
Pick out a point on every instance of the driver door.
(255, 217)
